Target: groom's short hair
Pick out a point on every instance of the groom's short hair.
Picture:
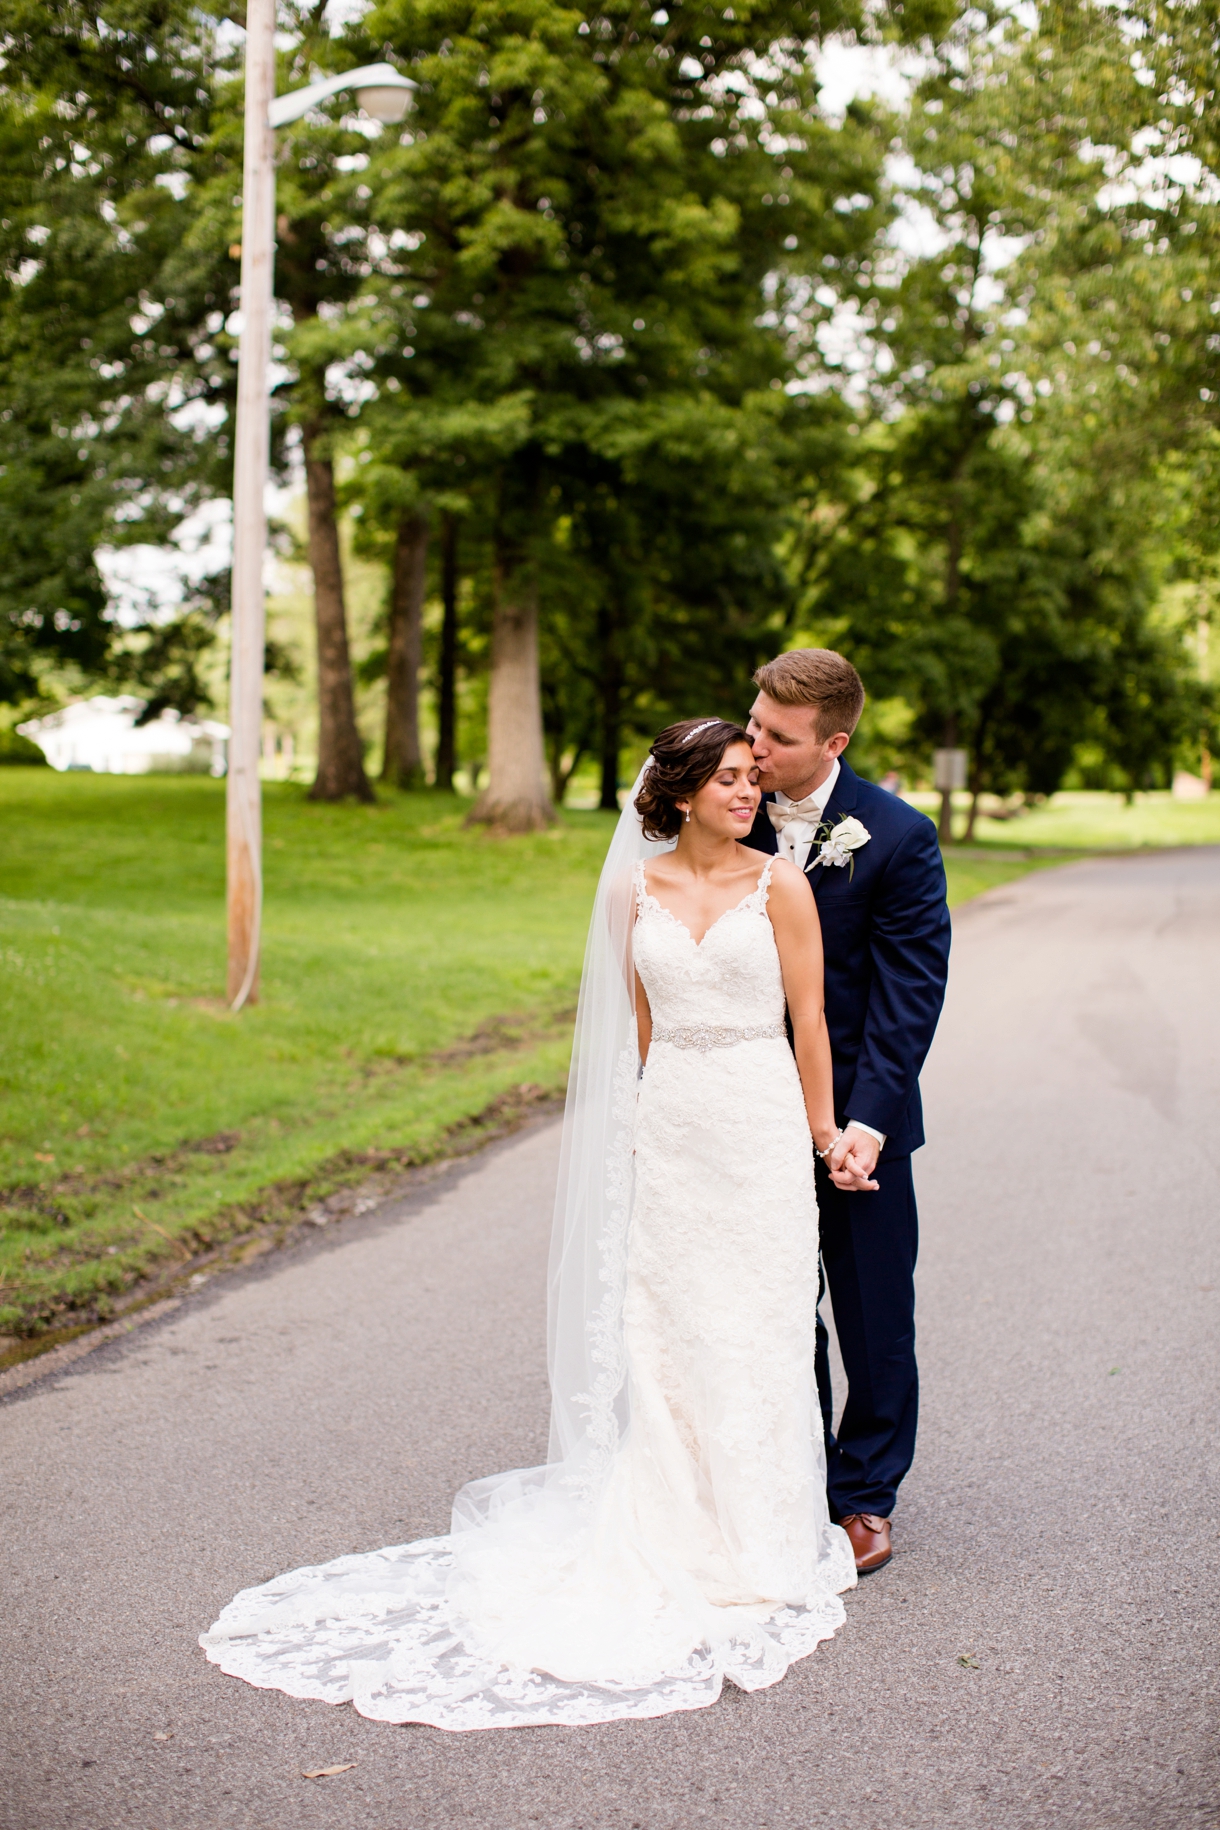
(820, 678)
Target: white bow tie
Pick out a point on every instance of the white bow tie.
(808, 809)
(796, 824)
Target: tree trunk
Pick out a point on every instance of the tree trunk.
(945, 823)
(976, 781)
(516, 798)
(403, 765)
(611, 708)
(446, 745)
(953, 585)
(560, 777)
(340, 760)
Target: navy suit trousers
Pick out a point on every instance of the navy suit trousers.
(869, 1244)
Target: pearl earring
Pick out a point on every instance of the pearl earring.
(688, 816)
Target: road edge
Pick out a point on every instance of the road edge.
(347, 1203)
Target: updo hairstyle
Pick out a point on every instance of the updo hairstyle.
(684, 759)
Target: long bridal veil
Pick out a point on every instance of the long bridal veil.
(593, 1197)
(586, 1354)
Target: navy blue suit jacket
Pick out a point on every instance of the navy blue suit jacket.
(885, 934)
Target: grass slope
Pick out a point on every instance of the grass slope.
(415, 976)
(412, 974)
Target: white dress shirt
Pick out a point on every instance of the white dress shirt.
(795, 841)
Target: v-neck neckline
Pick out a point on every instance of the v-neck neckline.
(677, 919)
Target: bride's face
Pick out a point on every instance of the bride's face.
(726, 805)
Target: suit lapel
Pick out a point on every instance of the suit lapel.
(846, 793)
(841, 802)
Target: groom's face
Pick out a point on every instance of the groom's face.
(787, 748)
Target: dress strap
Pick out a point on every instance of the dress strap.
(641, 887)
(763, 885)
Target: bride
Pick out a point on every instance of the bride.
(679, 1533)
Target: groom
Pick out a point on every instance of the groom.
(874, 866)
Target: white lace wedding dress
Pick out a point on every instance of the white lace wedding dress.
(688, 1541)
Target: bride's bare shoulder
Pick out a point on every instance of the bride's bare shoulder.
(751, 861)
(790, 888)
(783, 870)
(665, 869)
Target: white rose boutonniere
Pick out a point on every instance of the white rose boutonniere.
(841, 841)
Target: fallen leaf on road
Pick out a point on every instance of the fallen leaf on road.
(328, 1772)
(166, 1737)
(968, 1660)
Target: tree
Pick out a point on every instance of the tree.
(995, 563)
(340, 753)
(321, 226)
(585, 215)
(102, 112)
(446, 695)
(418, 465)
(403, 766)
(676, 515)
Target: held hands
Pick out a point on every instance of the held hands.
(851, 1160)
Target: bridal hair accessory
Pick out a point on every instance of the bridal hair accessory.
(685, 757)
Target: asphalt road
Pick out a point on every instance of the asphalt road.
(1060, 1532)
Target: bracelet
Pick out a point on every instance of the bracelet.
(823, 1154)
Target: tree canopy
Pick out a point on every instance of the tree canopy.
(666, 363)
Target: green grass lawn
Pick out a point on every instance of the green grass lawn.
(1092, 822)
(1104, 822)
(414, 975)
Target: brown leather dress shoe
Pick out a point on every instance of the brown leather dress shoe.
(870, 1540)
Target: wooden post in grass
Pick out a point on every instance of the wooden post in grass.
(244, 836)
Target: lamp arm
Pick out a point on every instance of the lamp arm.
(297, 102)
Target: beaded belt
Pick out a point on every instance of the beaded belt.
(704, 1036)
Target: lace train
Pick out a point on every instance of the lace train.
(385, 1632)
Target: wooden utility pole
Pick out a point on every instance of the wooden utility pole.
(384, 95)
(244, 836)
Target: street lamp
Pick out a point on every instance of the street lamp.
(385, 95)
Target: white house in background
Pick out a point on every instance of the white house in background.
(102, 734)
